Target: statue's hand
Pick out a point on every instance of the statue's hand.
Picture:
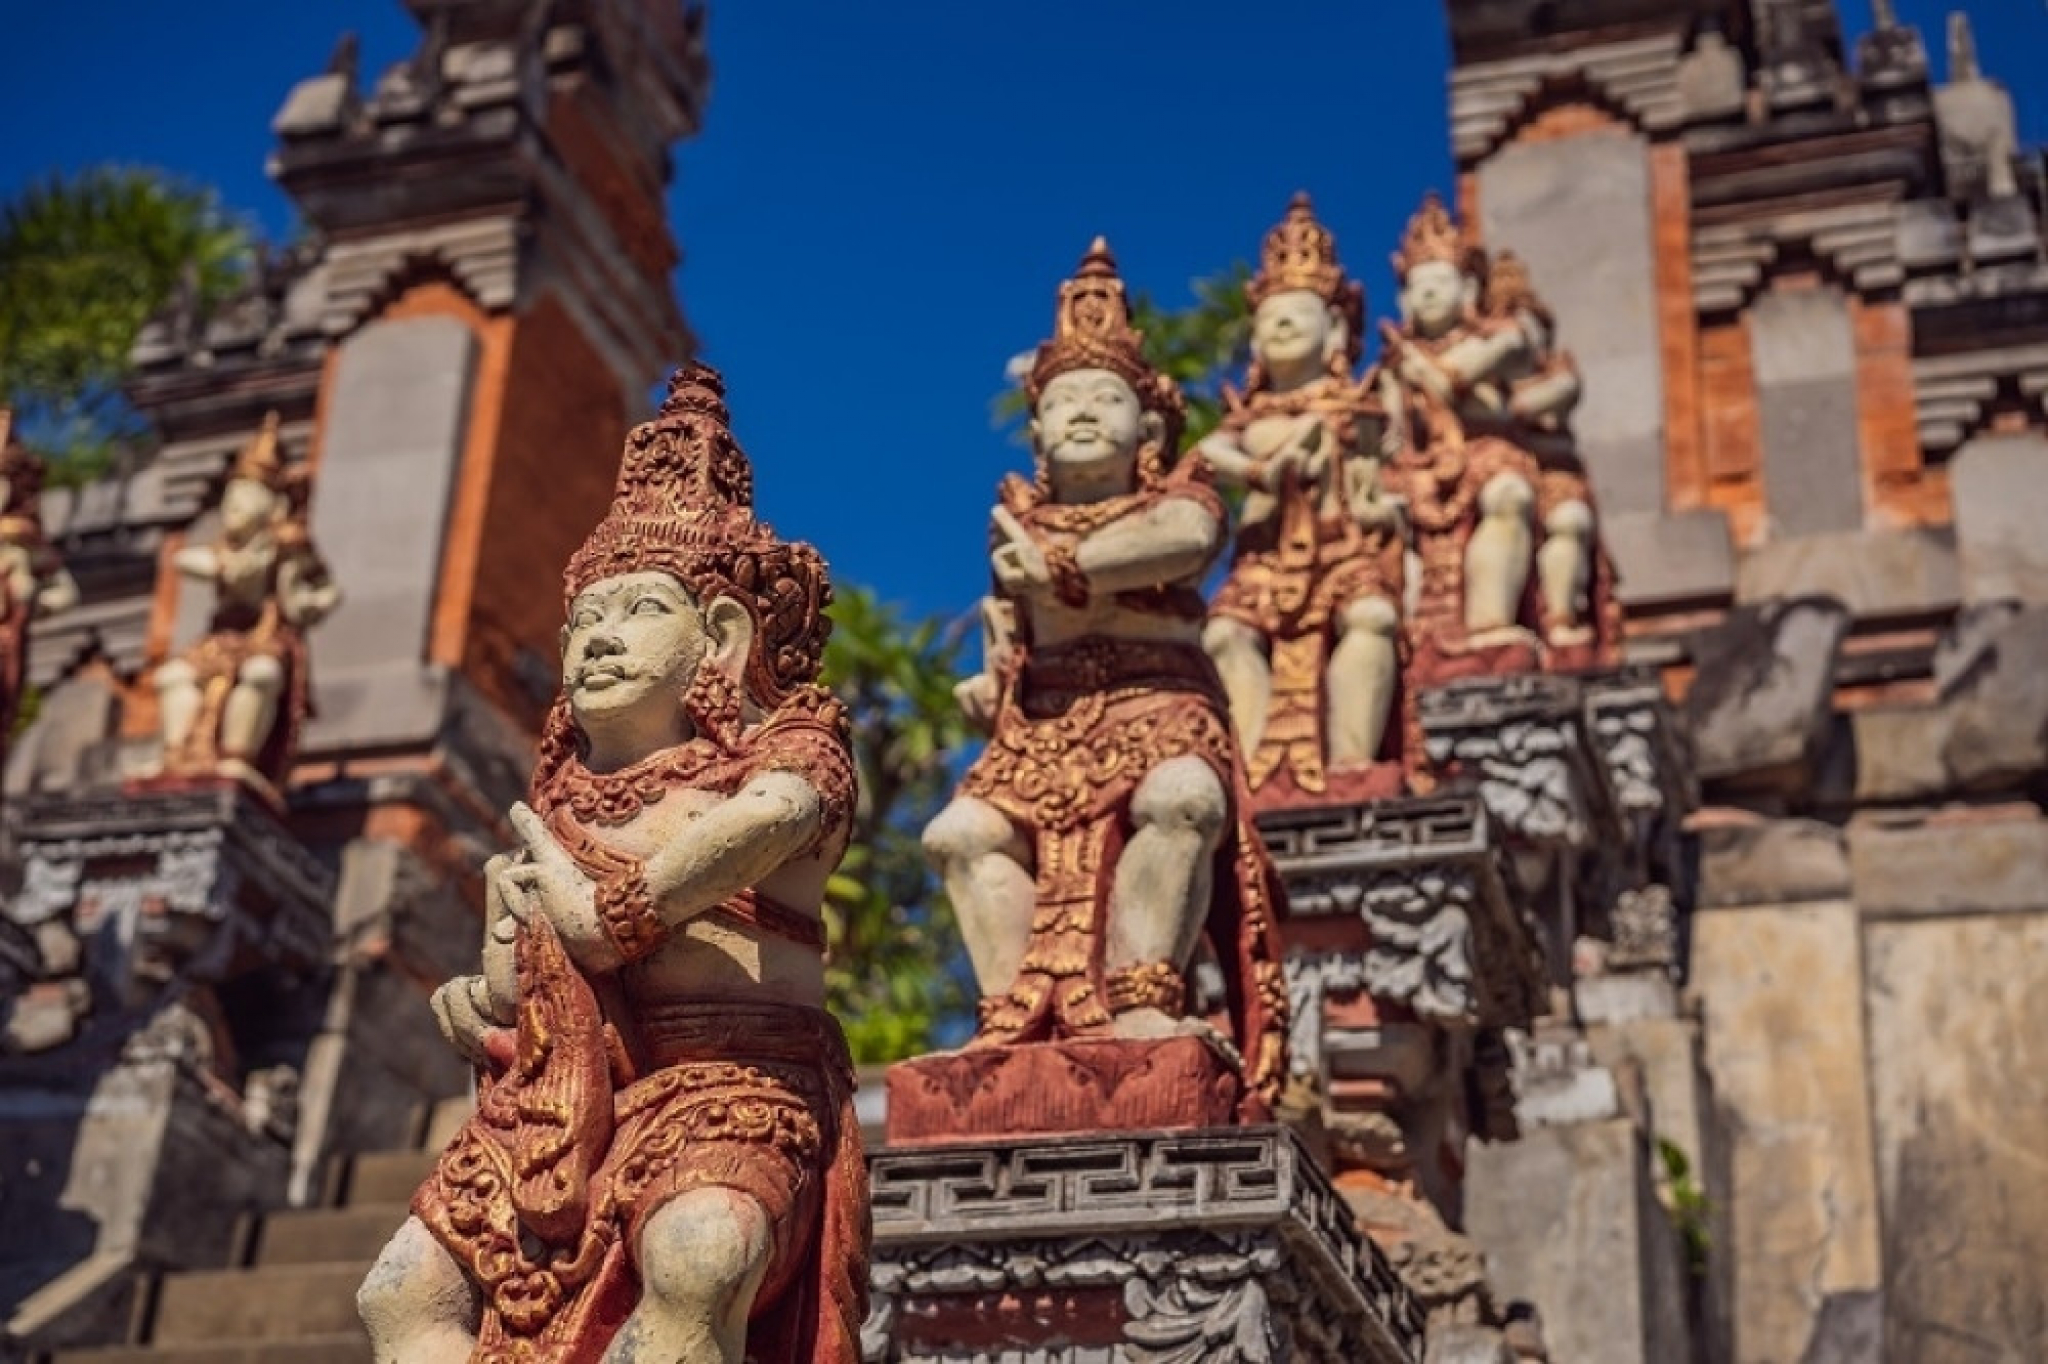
(1021, 569)
(550, 884)
(1423, 373)
(462, 1008)
(978, 697)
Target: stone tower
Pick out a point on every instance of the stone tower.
(1806, 279)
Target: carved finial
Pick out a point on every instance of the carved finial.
(345, 58)
(1883, 15)
(1962, 49)
(262, 459)
(1092, 330)
(684, 506)
(1299, 253)
(1434, 235)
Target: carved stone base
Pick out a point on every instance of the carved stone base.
(1341, 786)
(1062, 1087)
(1209, 1247)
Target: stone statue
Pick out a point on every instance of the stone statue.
(33, 583)
(233, 703)
(664, 1163)
(1107, 824)
(1469, 488)
(1306, 629)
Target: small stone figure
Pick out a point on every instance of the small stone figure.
(665, 1162)
(1306, 629)
(1470, 489)
(33, 583)
(1107, 825)
(233, 703)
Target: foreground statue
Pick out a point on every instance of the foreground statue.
(1306, 629)
(33, 583)
(1107, 826)
(664, 1164)
(232, 704)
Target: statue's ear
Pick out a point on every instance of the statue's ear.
(1151, 428)
(731, 630)
(1470, 292)
(1031, 430)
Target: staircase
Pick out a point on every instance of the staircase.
(294, 1302)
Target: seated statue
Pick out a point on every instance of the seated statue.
(1468, 486)
(33, 582)
(664, 1162)
(1305, 630)
(1107, 825)
(233, 703)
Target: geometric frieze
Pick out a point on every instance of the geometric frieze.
(1221, 1245)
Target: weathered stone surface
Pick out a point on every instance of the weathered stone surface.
(2000, 486)
(1760, 700)
(1950, 866)
(1959, 1027)
(1670, 558)
(1578, 210)
(1570, 1221)
(1898, 753)
(1797, 1214)
(1805, 356)
(1871, 572)
(1772, 862)
(1997, 735)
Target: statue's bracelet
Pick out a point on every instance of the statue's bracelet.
(626, 907)
(1069, 580)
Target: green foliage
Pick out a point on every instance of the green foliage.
(896, 974)
(1687, 1203)
(1197, 345)
(86, 260)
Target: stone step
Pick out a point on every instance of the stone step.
(275, 1303)
(337, 1349)
(388, 1176)
(315, 1236)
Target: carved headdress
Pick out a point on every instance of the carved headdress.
(1300, 253)
(1092, 330)
(1509, 290)
(684, 505)
(1434, 235)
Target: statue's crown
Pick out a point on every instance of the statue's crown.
(1299, 253)
(262, 459)
(684, 505)
(1092, 330)
(1434, 235)
(1509, 289)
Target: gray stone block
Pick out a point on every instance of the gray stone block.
(1670, 558)
(1805, 357)
(2000, 486)
(1772, 862)
(1951, 867)
(1578, 210)
(1874, 573)
(1570, 1221)
(1761, 696)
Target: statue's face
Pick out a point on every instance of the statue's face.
(1087, 417)
(1433, 296)
(1292, 329)
(632, 642)
(246, 506)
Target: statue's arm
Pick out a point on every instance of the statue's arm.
(1227, 458)
(771, 821)
(1477, 358)
(1170, 541)
(307, 594)
(197, 561)
(59, 592)
(1549, 395)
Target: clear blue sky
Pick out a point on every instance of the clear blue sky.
(885, 195)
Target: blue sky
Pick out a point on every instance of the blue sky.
(885, 195)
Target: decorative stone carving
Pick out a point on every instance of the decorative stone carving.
(1306, 629)
(233, 703)
(33, 581)
(662, 1099)
(1524, 741)
(1216, 1246)
(1106, 829)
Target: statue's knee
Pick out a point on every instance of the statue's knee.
(966, 830)
(1572, 520)
(1371, 616)
(414, 1284)
(1507, 495)
(1224, 638)
(265, 675)
(1181, 793)
(175, 675)
(700, 1250)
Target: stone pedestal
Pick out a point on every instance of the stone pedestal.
(149, 1062)
(1217, 1245)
